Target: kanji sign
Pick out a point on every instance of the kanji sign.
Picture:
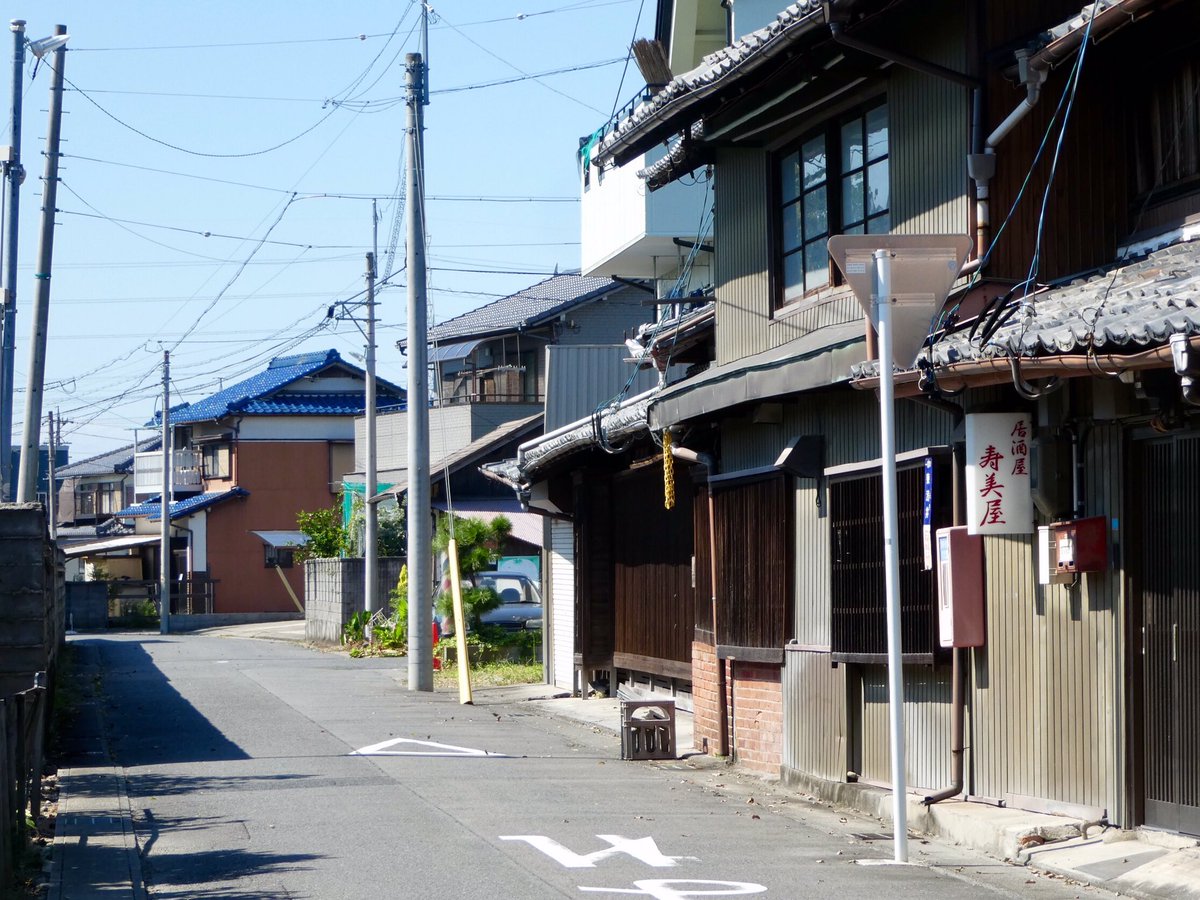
(999, 493)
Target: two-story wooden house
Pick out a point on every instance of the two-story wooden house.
(1064, 140)
(246, 460)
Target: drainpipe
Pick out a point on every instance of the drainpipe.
(710, 466)
(958, 710)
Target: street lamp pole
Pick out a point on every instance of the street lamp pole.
(891, 549)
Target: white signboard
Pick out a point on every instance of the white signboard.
(999, 493)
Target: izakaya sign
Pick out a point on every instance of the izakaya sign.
(999, 493)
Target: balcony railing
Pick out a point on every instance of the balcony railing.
(148, 473)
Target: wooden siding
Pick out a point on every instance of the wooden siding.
(1047, 690)
(815, 742)
(652, 585)
(753, 578)
(702, 565)
(594, 620)
(562, 604)
(926, 725)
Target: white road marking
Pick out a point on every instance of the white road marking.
(382, 749)
(643, 849)
(661, 889)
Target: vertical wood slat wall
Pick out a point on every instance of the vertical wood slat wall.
(652, 554)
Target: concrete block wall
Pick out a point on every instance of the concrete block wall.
(87, 605)
(32, 597)
(334, 591)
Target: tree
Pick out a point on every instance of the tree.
(326, 534)
(480, 545)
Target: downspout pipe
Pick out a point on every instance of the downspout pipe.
(710, 466)
(958, 669)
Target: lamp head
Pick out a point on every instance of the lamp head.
(47, 45)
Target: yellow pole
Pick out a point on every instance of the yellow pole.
(460, 626)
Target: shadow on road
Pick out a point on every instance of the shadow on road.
(156, 723)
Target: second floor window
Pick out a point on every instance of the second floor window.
(216, 461)
(834, 181)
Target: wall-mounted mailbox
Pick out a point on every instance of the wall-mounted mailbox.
(960, 588)
(1081, 545)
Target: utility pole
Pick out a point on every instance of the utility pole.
(27, 482)
(371, 509)
(164, 603)
(420, 539)
(15, 175)
(51, 492)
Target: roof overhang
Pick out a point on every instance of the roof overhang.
(111, 545)
(282, 538)
(816, 360)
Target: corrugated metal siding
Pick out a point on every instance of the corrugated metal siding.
(581, 377)
(562, 600)
(812, 569)
(929, 127)
(742, 259)
(814, 742)
(610, 319)
(926, 725)
(1047, 689)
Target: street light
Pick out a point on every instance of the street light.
(900, 282)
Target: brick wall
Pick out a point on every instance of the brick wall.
(754, 699)
(756, 703)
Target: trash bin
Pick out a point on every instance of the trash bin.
(647, 728)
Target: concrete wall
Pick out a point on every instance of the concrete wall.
(32, 596)
(87, 605)
(334, 591)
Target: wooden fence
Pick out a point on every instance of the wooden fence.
(24, 718)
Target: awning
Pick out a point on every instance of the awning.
(526, 526)
(111, 545)
(446, 352)
(282, 538)
(817, 359)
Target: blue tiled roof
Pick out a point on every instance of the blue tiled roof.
(526, 308)
(110, 462)
(185, 507)
(254, 394)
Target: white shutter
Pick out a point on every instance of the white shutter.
(562, 596)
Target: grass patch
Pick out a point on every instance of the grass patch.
(496, 674)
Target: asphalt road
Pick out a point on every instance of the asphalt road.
(244, 783)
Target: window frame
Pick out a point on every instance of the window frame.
(217, 449)
(283, 557)
(831, 131)
(858, 619)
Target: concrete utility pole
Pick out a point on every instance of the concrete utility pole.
(164, 603)
(370, 508)
(15, 175)
(420, 538)
(27, 483)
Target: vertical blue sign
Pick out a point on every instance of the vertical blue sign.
(927, 513)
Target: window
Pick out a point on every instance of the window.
(110, 497)
(817, 199)
(283, 557)
(216, 461)
(858, 599)
(1167, 136)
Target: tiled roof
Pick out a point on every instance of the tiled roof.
(152, 509)
(109, 462)
(1127, 308)
(524, 309)
(745, 54)
(281, 372)
(295, 404)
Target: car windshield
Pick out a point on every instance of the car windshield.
(511, 588)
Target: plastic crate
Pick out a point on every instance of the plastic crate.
(647, 729)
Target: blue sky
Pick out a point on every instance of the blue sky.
(176, 230)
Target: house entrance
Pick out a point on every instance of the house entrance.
(1166, 579)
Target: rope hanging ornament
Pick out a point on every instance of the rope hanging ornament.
(668, 472)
